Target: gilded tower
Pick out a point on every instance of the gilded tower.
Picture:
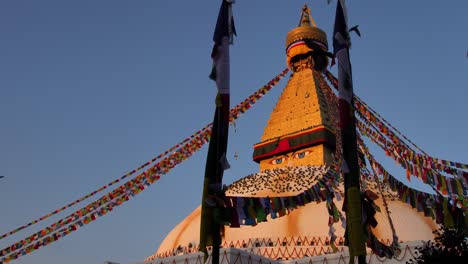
(299, 133)
(300, 129)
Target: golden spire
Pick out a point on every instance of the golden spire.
(300, 130)
(306, 18)
(307, 31)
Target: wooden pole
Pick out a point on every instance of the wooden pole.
(354, 228)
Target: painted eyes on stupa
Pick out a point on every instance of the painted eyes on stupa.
(278, 161)
(302, 154)
(298, 155)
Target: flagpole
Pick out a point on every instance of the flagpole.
(354, 230)
(216, 162)
(210, 226)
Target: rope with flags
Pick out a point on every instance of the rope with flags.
(440, 208)
(449, 210)
(128, 174)
(423, 166)
(389, 252)
(235, 112)
(456, 169)
(449, 167)
(125, 192)
(446, 185)
(373, 126)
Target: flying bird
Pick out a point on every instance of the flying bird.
(355, 29)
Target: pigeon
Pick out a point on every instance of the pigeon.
(355, 29)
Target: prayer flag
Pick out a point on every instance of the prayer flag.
(216, 161)
(352, 205)
(223, 37)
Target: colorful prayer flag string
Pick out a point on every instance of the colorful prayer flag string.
(444, 211)
(103, 187)
(409, 154)
(369, 114)
(129, 189)
(424, 171)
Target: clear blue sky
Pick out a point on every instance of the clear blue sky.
(91, 89)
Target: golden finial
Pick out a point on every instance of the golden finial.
(306, 17)
(306, 31)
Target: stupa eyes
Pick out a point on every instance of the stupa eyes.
(278, 161)
(297, 155)
(301, 155)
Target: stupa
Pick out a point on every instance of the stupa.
(299, 144)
